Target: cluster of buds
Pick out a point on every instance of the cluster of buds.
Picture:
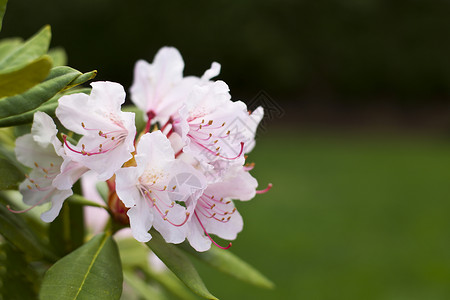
(179, 175)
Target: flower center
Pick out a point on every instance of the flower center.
(105, 141)
(154, 194)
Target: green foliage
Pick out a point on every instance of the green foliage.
(2, 11)
(28, 82)
(15, 230)
(93, 271)
(18, 279)
(230, 264)
(179, 264)
(54, 261)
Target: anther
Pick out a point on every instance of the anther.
(29, 187)
(36, 165)
(210, 122)
(223, 124)
(112, 138)
(174, 187)
(82, 124)
(100, 133)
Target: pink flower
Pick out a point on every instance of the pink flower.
(215, 212)
(53, 173)
(159, 88)
(108, 133)
(215, 130)
(155, 189)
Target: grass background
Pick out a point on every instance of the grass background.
(350, 216)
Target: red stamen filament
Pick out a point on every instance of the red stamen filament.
(34, 205)
(269, 186)
(210, 238)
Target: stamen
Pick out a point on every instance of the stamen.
(210, 238)
(269, 186)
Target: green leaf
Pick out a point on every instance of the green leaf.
(19, 280)
(48, 107)
(8, 45)
(58, 79)
(230, 264)
(179, 264)
(59, 56)
(10, 175)
(93, 271)
(67, 231)
(18, 80)
(136, 255)
(142, 288)
(15, 230)
(82, 79)
(2, 11)
(33, 48)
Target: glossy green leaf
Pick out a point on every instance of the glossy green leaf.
(18, 80)
(48, 107)
(33, 48)
(177, 261)
(2, 11)
(141, 287)
(230, 264)
(81, 79)
(136, 255)
(59, 56)
(93, 271)
(8, 45)
(15, 230)
(57, 80)
(67, 231)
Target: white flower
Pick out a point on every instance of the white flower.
(52, 174)
(108, 133)
(213, 127)
(159, 88)
(215, 212)
(155, 188)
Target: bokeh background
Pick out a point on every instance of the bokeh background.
(355, 139)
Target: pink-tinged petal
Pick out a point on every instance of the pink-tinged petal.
(140, 90)
(72, 109)
(240, 186)
(155, 149)
(108, 133)
(127, 180)
(226, 229)
(44, 130)
(108, 96)
(172, 234)
(211, 72)
(30, 154)
(141, 220)
(251, 127)
(57, 200)
(152, 82)
(196, 236)
(70, 172)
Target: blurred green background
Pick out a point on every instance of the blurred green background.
(356, 139)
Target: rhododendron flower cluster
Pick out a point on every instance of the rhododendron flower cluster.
(180, 175)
